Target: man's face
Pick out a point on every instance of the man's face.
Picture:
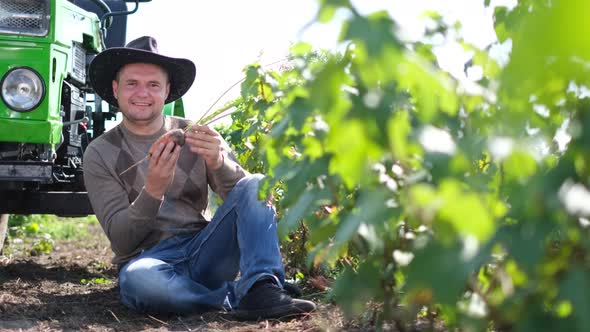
(141, 89)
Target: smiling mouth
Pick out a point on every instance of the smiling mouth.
(141, 104)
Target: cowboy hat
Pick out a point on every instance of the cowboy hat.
(105, 66)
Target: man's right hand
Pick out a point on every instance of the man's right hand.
(161, 169)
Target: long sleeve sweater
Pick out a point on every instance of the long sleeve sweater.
(132, 219)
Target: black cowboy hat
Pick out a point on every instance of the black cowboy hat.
(104, 68)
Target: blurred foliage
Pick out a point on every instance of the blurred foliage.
(40, 231)
(461, 201)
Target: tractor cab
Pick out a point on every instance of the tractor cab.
(117, 30)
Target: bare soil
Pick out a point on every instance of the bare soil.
(74, 288)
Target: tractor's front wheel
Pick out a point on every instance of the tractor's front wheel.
(3, 229)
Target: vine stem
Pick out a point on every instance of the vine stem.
(231, 87)
(219, 98)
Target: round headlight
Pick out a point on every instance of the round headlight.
(22, 89)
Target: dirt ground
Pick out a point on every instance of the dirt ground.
(74, 288)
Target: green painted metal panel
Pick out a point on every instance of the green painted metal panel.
(71, 23)
(17, 130)
(68, 23)
(175, 108)
(51, 57)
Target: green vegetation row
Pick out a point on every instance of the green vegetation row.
(37, 233)
(428, 196)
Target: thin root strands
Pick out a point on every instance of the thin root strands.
(174, 135)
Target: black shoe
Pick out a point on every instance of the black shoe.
(292, 289)
(267, 300)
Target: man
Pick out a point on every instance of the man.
(171, 259)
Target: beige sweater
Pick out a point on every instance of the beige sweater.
(132, 219)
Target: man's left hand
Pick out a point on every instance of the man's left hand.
(208, 143)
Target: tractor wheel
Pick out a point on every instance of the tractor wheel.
(3, 229)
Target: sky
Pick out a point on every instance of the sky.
(222, 37)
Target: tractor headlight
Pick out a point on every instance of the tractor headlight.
(22, 89)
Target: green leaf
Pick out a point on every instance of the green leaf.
(352, 150)
(326, 13)
(348, 227)
(504, 22)
(299, 111)
(520, 166)
(313, 147)
(399, 128)
(535, 318)
(491, 68)
(545, 59)
(300, 48)
(326, 93)
(266, 91)
(440, 270)
(296, 176)
(374, 32)
(365, 283)
(32, 229)
(469, 213)
(576, 288)
(328, 9)
(371, 214)
(432, 89)
(525, 242)
(280, 127)
(306, 205)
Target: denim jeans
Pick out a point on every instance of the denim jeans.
(194, 273)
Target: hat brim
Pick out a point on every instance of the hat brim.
(104, 68)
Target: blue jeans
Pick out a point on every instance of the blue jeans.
(194, 273)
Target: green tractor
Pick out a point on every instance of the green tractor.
(48, 110)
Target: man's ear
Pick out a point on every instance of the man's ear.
(115, 85)
(167, 90)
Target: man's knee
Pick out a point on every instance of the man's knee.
(248, 199)
(143, 276)
(249, 184)
(251, 181)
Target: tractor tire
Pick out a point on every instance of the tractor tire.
(3, 229)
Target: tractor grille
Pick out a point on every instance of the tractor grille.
(79, 63)
(24, 17)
